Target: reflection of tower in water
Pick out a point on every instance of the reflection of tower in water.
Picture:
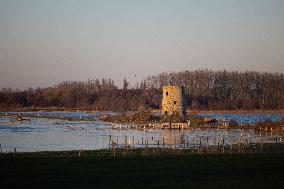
(173, 136)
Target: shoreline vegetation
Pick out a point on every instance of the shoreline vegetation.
(157, 111)
(127, 151)
(144, 168)
(146, 118)
(273, 147)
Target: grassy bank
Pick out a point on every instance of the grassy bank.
(97, 169)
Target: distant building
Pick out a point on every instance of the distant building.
(174, 101)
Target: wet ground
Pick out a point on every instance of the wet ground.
(43, 134)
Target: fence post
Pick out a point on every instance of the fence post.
(200, 144)
(113, 147)
(187, 143)
(223, 145)
(15, 150)
(125, 141)
(109, 141)
(147, 142)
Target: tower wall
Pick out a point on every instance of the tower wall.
(173, 101)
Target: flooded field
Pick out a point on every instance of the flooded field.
(43, 134)
(245, 118)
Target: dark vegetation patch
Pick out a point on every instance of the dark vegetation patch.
(141, 116)
(97, 169)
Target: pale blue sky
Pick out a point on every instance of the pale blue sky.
(43, 42)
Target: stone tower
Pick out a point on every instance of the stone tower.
(174, 101)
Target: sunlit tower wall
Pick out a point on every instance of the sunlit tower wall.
(174, 101)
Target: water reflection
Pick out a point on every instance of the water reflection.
(41, 134)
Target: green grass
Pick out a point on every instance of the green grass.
(95, 169)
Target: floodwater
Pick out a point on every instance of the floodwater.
(245, 118)
(42, 134)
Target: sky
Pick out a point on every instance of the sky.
(44, 42)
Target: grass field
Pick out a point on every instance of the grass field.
(97, 169)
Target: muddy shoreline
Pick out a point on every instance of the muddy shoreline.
(145, 119)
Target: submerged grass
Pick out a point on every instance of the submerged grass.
(98, 169)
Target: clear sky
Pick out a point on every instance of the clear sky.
(43, 42)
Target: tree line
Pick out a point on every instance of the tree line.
(205, 89)
(93, 94)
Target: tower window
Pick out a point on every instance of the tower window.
(167, 93)
(175, 102)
